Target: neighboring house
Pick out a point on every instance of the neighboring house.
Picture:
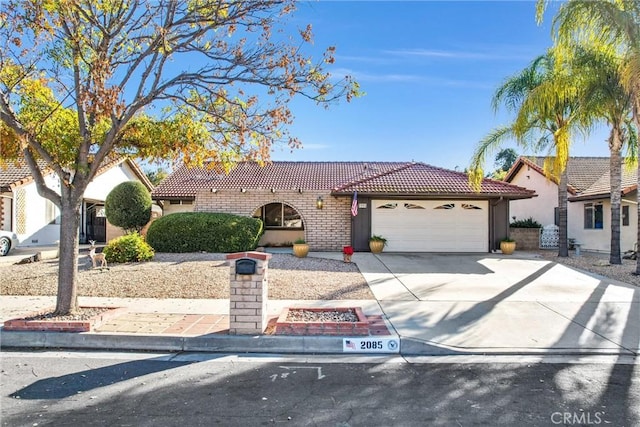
(36, 220)
(415, 206)
(589, 208)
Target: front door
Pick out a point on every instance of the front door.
(97, 224)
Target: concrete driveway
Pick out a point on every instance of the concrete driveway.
(450, 303)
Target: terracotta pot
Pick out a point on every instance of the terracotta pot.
(346, 257)
(376, 246)
(300, 250)
(507, 248)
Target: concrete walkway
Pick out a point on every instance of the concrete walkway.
(435, 304)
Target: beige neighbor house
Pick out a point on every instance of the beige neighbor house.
(589, 208)
(36, 220)
(417, 207)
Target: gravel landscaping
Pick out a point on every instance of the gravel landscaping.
(193, 275)
(204, 275)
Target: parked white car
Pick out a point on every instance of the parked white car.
(8, 241)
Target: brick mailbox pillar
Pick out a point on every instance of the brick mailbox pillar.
(248, 292)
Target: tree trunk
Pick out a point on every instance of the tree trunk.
(616, 197)
(563, 247)
(67, 301)
(636, 119)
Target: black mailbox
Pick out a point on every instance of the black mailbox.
(245, 266)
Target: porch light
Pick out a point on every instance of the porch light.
(319, 202)
(214, 190)
(273, 190)
(243, 190)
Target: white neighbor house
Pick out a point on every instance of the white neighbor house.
(589, 208)
(36, 220)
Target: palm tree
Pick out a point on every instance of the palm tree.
(544, 99)
(610, 22)
(604, 97)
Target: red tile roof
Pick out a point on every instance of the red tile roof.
(588, 176)
(582, 172)
(602, 187)
(384, 178)
(15, 172)
(18, 173)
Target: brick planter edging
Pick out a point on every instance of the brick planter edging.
(60, 325)
(286, 327)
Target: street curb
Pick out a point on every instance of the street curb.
(418, 347)
(214, 344)
(267, 344)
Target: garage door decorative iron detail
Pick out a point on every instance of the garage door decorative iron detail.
(412, 206)
(470, 207)
(446, 206)
(388, 206)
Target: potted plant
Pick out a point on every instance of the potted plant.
(377, 243)
(347, 251)
(507, 246)
(300, 248)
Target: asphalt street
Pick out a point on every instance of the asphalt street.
(146, 389)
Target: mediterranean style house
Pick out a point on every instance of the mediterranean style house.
(589, 208)
(36, 220)
(415, 206)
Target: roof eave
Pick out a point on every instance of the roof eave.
(439, 195)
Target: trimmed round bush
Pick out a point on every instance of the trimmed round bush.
(128, 248)
(128, 206)
(204, 232)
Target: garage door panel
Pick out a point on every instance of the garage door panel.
(432, 226)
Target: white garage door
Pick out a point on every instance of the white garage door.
(432, 225)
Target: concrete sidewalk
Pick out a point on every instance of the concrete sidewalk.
(433, 304)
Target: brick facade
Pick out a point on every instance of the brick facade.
(326, 229)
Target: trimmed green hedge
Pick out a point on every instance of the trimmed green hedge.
(128, 206)
(128, 248)
(204, 232)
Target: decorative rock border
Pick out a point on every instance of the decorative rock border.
(88, 325)
(287, 327)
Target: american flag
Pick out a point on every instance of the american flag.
(354, 204)
(350, 344)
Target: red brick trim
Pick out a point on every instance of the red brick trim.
(61, 326)
(250, 254)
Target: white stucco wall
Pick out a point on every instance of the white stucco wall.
(540, 208)
(99, 188)
(36, 230)
(600, 239)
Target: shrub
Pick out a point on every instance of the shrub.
(129, 248)
(128, 206)
(204, 232)
(525, 223)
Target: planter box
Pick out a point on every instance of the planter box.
(526, 238)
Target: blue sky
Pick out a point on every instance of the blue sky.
(429, 70)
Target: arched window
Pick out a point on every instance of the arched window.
(279, 216)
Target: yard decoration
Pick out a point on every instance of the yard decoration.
(377, 244)
(300, 248)
(507, 246)
(347, 252)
